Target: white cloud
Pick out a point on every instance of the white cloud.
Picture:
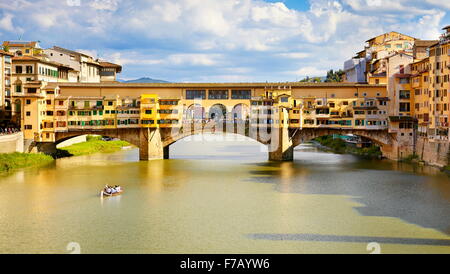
(6, 22)
(193, 59)
(110, 5)
(439, 3)
(308, 71)
(191, 39)
(294, 55)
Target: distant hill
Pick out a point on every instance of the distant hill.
(143, 80)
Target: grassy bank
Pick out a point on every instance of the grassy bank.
(339, 146)
(94, 144)
(12, 161)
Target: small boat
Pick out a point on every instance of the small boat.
(104, 194)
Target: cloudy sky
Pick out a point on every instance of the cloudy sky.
(219, 40)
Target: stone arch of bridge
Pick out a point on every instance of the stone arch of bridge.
(379, 137)
(127, 134)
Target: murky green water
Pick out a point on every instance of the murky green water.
(223, 196)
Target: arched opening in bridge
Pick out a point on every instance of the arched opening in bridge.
(195, 111)
(240, 112)
(217, 112)
(222, 146)
(345, 144)
(81, 143)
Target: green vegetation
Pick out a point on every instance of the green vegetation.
(335, 76)
(12, 161)
(90, 138)
(332, 76)
(308, 79)
(338, 145)
(94, 144)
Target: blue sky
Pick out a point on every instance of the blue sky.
(219, 40)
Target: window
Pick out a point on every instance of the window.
(18, 88)
(147, 122)
(217, 94)
(148, 111)
(404, 81)
(404, 94)
(168, 111)
(405, 107)
(86, 104)
(168, 102)
(28, 102)
(195, 94)
(240, 94)
(110, 103)
(29, 69)
(18, 69)
(284, 99)
(99, 103)
(28, 113)
(28, 127)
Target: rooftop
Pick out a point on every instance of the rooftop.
(21, 44)
(389, 33)
(110, 65)
(6, 53)
(425, 43)
(36, 59)
(70, 51)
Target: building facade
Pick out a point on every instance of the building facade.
(5, 86)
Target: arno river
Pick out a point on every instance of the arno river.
(223, 196)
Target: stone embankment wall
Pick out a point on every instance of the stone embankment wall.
(432, 151)
(11, 143)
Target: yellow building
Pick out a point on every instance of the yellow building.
(22, 48)
(439, 57)
(5, 86)
(148, 111)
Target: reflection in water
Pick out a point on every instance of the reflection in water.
(225, 197)
(384, 188)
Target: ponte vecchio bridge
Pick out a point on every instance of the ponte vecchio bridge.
(154, 116)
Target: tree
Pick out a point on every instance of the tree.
(308, 79)
(335, 76)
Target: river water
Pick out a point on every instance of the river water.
(218, 194)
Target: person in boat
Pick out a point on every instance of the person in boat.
(118, 188)
(108, 189)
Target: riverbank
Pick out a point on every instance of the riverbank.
(93, 144)
(339, 146)
(13, 161)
